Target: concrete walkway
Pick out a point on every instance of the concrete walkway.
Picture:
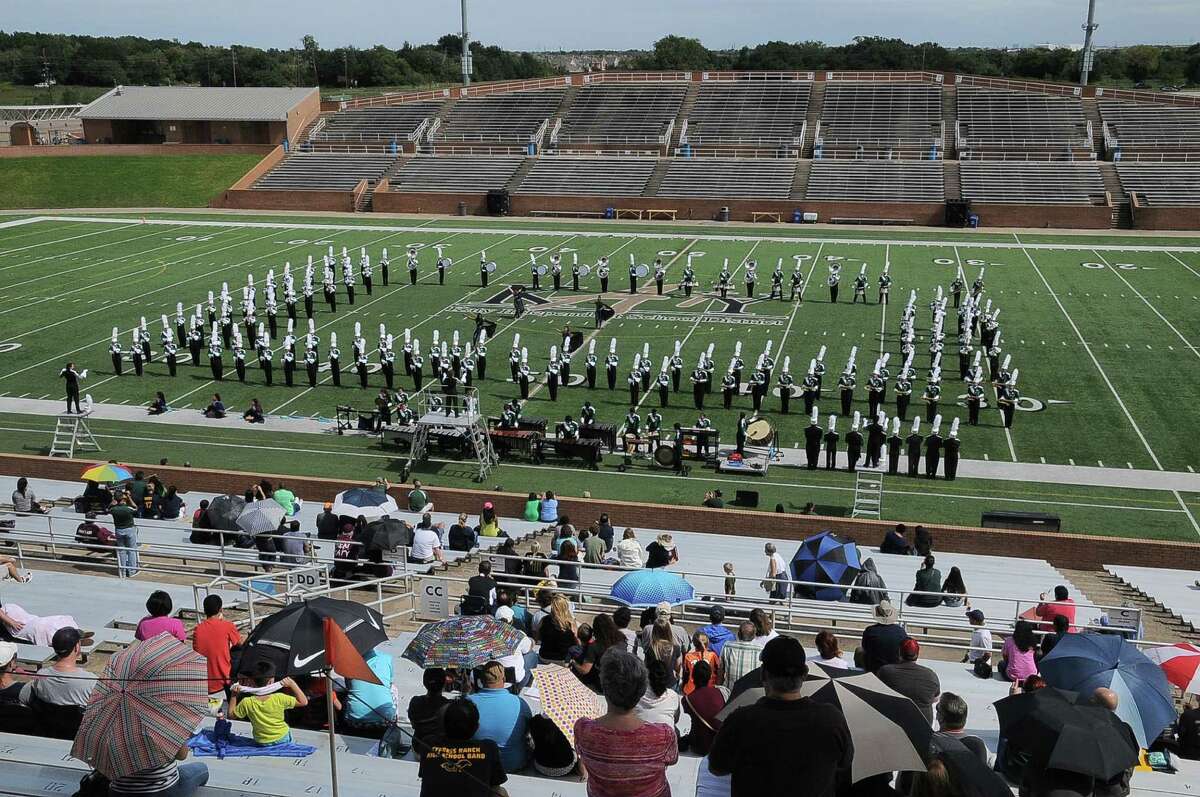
(1173, 481)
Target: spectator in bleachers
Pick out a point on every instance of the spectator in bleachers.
(123, 512)
(58, 693)
(170, 506)
(292, 544)
(716, 631)
(605, 531)
(489, 521)
(702, 704)
(10, 689)
(568, 566)
(503, 717)
(155, 491)
(13, 573)
(514, 568)
(24, 499)
(462, 764)
(532, 508)
(518, 615)
(740, 656)
(254, 414)
(214, 638)
(951, 714)
(661, 552)
(663, 612)
(895, 543)
(1063, 605)
(605, 635)
(868, 577)
(622, 617)
(90, 532)
(929, 579)
(700, 652)
(663, 647)
(523, 659)
(137, 488)
(980, 638)
(553, 755)
(1188, 736)
(95, 498)
(881, 641)
(775, 583)
(629, 550)
(935, 781)
(265, 711)
(159, 619)
(562, 533)
(173, 779)
(660, 703)
(548, 508)
(922, 541)
(327, 523)
(426, 547)
(200, 526)
(1017, 656)
(784, 742)
(619, 753)
(557, 632)
(368, 708)
(483, 586)
(215, 408)
(915, 681)
(764, 626)
(286, 499)
(593, 546)
(831, 652)
(159, 405)
(730, 580)
(425, 711)
(955, 589)
(1061, 628)
(418, 499)
(544, 598)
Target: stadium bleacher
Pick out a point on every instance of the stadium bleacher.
(1032, 183)
(1000, 124)
(564, 174)
(878, 180)
(739, 115)
(324, 171)
(1145, 131)
(881, 120)
(514, 119)
(1177, 591)
(620, 116)
(729, 178)
(465, 173)
(398, 123)
(1161, 184)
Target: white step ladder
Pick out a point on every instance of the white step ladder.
(71, 432)
(868, 495)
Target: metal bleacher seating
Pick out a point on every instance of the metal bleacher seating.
(1177, 591)
(881, 120)
(583, 175)
(455, 173)
(729, 178)
(501, 120)
(876, 180)
(619, 116)
(398, 123)
(1032, 183)
(741, 115)
(1145, 131)
(1161, 184)
(995, 124)
(324, 171)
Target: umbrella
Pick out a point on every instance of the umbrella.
(564, 699)
(260, 517)
(293, 639)
(1058, 733)
(973, 777)
(1180, 663)
(223, 512)
(463, 642)
(107, 473)
(753, 680)
(385, 534)
(364, 501)
(147, 704)
(1089, 661)
(651, 587)
(826, 559)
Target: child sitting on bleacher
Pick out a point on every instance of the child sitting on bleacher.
(262, 700)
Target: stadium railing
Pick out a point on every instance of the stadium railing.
(884, 77)
(723, 76)
(1056, 89)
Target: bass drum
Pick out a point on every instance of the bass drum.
(584, 271)
(664, 455)
(641, 271)
(759, 432)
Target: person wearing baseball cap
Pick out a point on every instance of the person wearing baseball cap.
(915, 681)
(14, 717)
(58, 693)
(784, 742)
(327, 523)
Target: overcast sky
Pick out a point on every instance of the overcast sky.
(614, 24)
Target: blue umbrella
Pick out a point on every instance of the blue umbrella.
(1084, 662)
(826, 559)
(651, 587)
(364, 501)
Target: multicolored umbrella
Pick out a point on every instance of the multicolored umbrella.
(1085, 662)
(826, 559)
(1180, 663)
(293, 639)
(564, 699)
(651, 587)
(366, 502)
(147, 704)
(223, 512)
(261, 517)
(463, 642)
(107, 473)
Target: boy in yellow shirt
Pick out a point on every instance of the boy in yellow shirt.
(264, 703)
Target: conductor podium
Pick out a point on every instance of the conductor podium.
(448, 422)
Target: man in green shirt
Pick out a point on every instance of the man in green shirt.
(417, 499)
(123, 513)
(137, 488)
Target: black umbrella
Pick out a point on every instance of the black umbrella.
(973, 777)
(1058, 733)
(223, 512)
(385, 534)
(293, 639)
(753, 680)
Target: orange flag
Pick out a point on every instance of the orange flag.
(342, 656)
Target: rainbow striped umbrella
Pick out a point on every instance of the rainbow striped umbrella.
(146, 706)
(564, 698)
(464, 642)
(107, 473)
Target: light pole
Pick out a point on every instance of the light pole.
(466, 48)
(1088, 53)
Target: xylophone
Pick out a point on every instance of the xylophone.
(507, 441)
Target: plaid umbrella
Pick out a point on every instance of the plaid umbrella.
(107, 473)
(651, 587)
(564, 699)
(462, 642)
(826, 559)
(147, 704)
(260, 517)
(293, 639)
(223, 512)
(365, 501)
(1180, 663)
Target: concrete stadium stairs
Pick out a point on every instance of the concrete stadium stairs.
(952, 179)
(816, 104)
(1091, 112)
(950, 117)
(685, 110)
(800, 181)
(1106, 589)
(1122, 216)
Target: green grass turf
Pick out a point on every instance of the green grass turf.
(119, 180)
(1145, 514)
(64, 285)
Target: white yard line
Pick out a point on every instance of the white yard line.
(1012, 451)
(1146, 302)
(125, 225)
(796, 305)
(887, 259)
(1187, 511)
(1096, 362)
(1180, 262)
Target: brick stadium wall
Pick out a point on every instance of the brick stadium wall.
(1062, 550)
(248, 199)
(1148, 218)
(85, 150)
(301, 114)
(1096, 217)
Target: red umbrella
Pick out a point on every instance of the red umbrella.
(1180, 663)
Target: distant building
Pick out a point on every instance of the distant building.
(199, 115)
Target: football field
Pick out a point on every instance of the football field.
(1103, 329)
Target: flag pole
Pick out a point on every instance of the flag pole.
(332, 735)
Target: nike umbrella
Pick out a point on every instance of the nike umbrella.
(293, 639)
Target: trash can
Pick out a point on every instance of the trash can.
(797, 216)
(973, 220)
(462, 208)
(723, 214)
(610, 213)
